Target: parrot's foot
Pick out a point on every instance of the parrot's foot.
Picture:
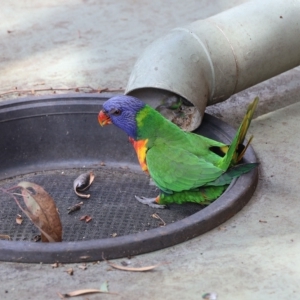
(150, 201)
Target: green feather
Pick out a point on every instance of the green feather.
(202, 196)
(232, 173)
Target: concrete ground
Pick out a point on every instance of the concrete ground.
(93, 45)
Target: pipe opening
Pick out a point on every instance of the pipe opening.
(172, 106)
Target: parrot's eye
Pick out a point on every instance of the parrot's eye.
(115, 112)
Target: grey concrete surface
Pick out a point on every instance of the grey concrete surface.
(254, 255)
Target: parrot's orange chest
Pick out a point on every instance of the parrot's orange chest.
(140, 148)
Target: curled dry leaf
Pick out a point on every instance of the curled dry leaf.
(82, 183)
(42, 211)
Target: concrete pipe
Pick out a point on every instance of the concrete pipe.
(209, 60)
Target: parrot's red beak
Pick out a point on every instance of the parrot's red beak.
(103, 118)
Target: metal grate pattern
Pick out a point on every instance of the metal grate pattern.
(112, 205)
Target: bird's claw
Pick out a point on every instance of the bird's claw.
(150, 202)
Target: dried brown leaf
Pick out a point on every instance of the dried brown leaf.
(75, 207)
(82, 183)
(86, 218)
(83, 292)
(70, 271)
(4, 237)
(55, 265)
(82, 267)
(41, 209)
(132, 269)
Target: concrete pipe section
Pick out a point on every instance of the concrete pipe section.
(209, 60)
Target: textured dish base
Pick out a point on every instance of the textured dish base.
(112, 205)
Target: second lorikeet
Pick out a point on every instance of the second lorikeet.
(186, 167)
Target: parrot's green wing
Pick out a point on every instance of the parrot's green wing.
(175, 169)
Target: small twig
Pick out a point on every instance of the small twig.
(156, 216)
(76, 89)
(11, 188)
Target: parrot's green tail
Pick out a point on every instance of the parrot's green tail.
(235, 153)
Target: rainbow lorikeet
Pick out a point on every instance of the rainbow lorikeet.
(186, 167)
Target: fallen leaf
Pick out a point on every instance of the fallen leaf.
(83, 292)
(55, 265)
(132, 269)
(19, 219)
(42, 211)
(75, 207)
(82, 183)
(4, 237)
(86, 218)
(70, 271)
(82, 267)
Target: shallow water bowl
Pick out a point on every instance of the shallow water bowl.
(51, 141)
